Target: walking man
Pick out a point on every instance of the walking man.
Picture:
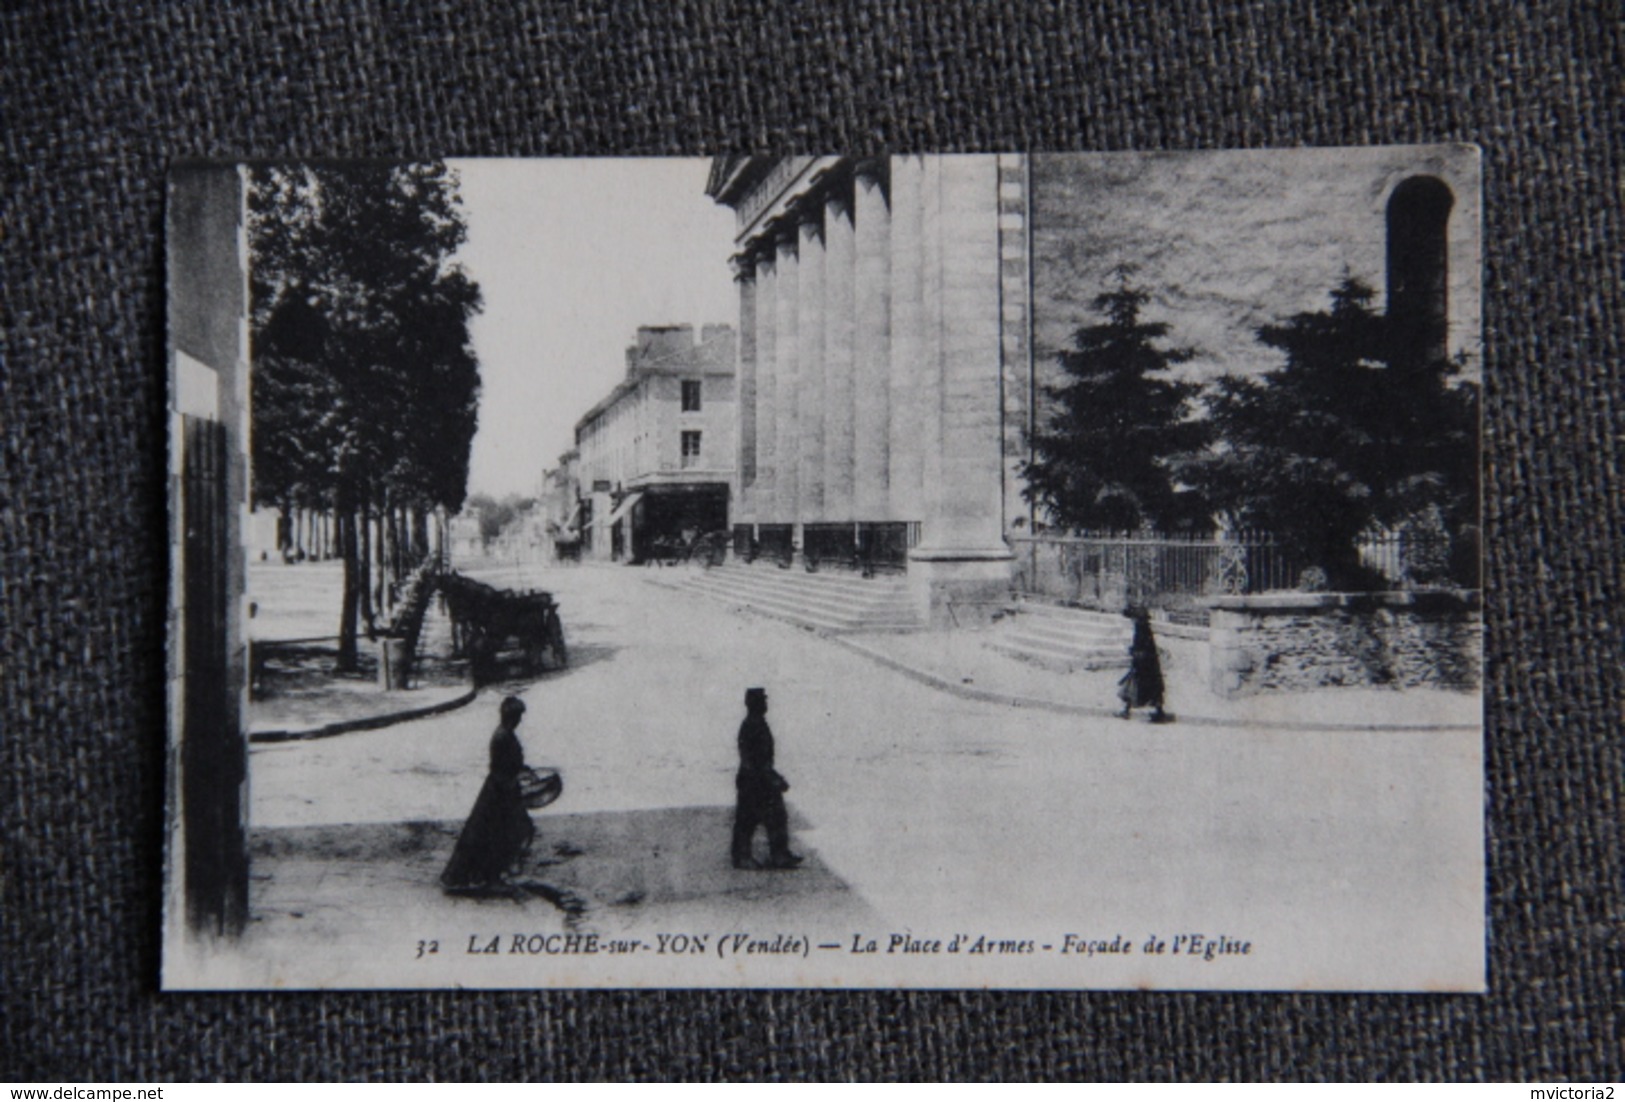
(761, 792)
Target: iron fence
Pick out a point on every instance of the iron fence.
(775, 543)
(865, 546)
(1415, 556)
(1112, 572)
(1174, 574)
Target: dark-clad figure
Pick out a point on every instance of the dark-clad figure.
(498, 832)
(1142, 686)
(761, 792)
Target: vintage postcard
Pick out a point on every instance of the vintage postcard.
(1006, 570)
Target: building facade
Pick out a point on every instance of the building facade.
(465, 539)
(900, 317)
(560, 504)
(657, 455)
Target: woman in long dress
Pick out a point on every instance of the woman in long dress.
(1141, 686)
(498, 832)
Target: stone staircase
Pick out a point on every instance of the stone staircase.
(1062, 638)
(831, 601)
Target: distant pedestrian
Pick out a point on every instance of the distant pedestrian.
(1141, 686)
(498, 833)
(761, 792)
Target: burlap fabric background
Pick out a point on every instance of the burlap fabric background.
(99, 97)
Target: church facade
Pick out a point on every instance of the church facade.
(899, 317)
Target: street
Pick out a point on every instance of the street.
(1353, 857)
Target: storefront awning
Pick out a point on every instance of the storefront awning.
(624, 507)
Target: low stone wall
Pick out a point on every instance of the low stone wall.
(1285, 642)
(1186, 651)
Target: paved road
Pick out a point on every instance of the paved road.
(1354, 853)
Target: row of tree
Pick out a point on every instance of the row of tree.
(365, 382)
(1359, 428)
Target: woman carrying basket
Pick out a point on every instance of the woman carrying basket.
(498, 834)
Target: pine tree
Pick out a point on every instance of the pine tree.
(1105, 459)
(1354, 430)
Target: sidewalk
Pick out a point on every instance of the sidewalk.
(960, 662)
(612, 875)
(302, 698)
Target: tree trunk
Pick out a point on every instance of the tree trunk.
(368, 615)
(388, 575)
(348, 659)
(396, 562)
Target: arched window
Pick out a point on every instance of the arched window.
(1418, 268)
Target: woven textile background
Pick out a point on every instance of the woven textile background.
(99, 97)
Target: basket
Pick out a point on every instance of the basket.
(540, 787)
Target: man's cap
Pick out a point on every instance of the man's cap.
(513, 706)
(755, 694)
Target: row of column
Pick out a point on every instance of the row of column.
(870, 354)
(814, 360)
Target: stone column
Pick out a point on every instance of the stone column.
(787, 373)
(839, 292)
(1015, 342)
(871, 340)
(745, 402)
(904, 460)
(961, 570)
(927, 378)
(810, 361)
(767, 388)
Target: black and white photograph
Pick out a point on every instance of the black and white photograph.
(1027, 570)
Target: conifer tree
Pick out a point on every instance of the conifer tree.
(1105, 460)
(1354, 430)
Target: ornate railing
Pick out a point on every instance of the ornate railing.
(1170, 573)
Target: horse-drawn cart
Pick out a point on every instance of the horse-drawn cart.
(489, 625)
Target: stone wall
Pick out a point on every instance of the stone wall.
(1185, 652)
(1286, 642)
(1228, 240)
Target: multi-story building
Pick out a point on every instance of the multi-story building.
(900, 317)
(560, 504)
(465, 541)
(657, 455)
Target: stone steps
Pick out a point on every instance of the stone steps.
(1045, 630)
(822, 601)
(1064, 638)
